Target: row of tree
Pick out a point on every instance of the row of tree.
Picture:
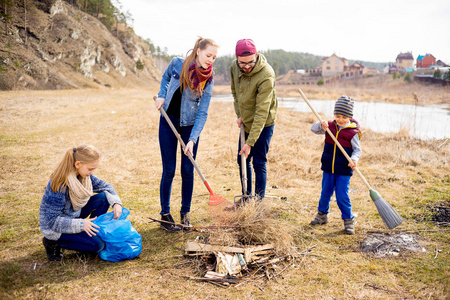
(280, 60)
(110, 13)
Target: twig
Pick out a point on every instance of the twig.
(192, 297)
(436, 248)
(196, 228)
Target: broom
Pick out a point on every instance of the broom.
(390, 217)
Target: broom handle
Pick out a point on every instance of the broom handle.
(184, 146)
(335, 140)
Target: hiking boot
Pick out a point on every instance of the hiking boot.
(169, 224)
(321, 218)
(349, 226)
(52, 249)
(185, 221)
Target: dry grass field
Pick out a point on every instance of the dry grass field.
(36, 127)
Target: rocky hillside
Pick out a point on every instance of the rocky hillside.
(61, 47)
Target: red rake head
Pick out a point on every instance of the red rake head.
(215, 199)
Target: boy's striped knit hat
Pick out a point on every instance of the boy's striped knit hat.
(344, 106)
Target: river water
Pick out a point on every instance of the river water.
(423, 122)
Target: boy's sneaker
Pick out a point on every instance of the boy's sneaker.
(321, 218)
(169, 224)
(52, 249)
(185, 221)
(349, 226)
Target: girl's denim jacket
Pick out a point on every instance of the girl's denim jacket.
(194, 109)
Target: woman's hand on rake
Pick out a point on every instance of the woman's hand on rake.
(159, 102)
(189, 148)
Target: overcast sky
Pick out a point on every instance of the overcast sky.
(354, 29)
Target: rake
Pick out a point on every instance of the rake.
(390, 217)
(214, 199)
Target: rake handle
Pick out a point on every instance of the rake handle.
(183, 146)
(335, 140)
(243, 160)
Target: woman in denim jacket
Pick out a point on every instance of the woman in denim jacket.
(185, 93)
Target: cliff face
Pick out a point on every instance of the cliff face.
(61, 47)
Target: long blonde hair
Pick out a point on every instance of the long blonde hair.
(201, 44)
(83, 154)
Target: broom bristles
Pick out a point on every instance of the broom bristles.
(390, 217)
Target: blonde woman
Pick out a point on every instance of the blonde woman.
(69, 200)
(185, 93)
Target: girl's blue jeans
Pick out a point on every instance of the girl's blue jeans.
(258, 155)
(96, 206)
(168, 144)
(340, 184)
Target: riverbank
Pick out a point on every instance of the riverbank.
(381, 88)
(38, 126)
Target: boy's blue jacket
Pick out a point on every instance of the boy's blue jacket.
(194, 109)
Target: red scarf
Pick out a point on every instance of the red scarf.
(199, 77)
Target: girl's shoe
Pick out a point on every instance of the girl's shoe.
(185, 221)
(349, 226)
(169, 224)
(52, 249)
(321, 218)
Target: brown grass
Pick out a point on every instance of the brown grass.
(37, 127)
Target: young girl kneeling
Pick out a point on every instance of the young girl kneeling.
(72, 195)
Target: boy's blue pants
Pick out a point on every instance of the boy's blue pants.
(339, 184)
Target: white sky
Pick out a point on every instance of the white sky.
(355, 29)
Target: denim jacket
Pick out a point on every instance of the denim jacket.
(194, 109)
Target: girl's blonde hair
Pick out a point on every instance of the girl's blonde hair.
(201, 44)
(83, 153)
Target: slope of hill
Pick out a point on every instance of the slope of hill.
(56, 46)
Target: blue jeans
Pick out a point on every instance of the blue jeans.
(339, 184)
(168, 144)
(96, 206)
(258, 155)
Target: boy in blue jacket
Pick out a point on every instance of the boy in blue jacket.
(337, 170)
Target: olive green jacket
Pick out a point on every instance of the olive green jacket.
(254, 96)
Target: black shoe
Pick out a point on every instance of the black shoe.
(185, 221)
(170, 226)
(52, 249)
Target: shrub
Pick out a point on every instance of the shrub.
(447, 75)
(320, 81)
(140, 65)
(437, 74)
(408, 77)
(394, 75)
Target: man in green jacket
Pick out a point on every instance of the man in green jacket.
(255, 103)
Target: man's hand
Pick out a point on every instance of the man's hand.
(239, 122)
(246, 149)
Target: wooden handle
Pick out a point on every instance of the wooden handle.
(243, 160)
(183, 146)
(334, 139)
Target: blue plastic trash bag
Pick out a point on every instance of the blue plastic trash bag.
(122, 241)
